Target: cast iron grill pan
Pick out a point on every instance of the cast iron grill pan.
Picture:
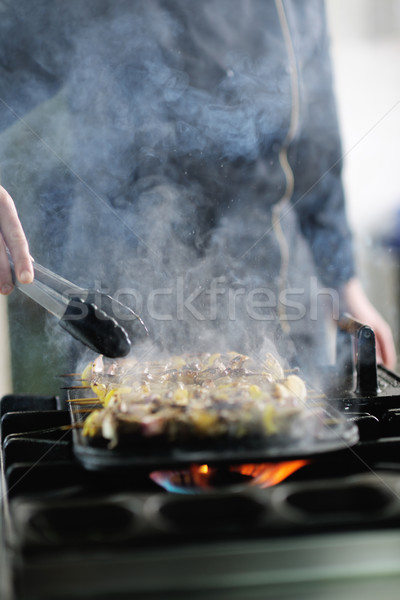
(337, 433)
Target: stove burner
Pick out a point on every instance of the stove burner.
(204, 478)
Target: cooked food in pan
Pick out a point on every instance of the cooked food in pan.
(191, 398)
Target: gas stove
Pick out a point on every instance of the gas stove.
(330, 529)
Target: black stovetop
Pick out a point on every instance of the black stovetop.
(331, 529)
(70, 533)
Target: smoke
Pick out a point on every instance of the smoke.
(149, 162)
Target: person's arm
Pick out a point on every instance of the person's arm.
(320, 202)
(358, 305)
(316, 157)
(13, 237)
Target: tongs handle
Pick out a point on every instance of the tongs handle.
(55, 282)
(47, 289)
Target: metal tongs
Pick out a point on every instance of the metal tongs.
(94, 318)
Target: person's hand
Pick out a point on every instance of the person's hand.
(12, 236)
(358, 305)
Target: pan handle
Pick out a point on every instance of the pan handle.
(359, 340)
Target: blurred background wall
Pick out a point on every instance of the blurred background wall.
(5, 362)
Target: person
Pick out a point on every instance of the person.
(202, 148)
